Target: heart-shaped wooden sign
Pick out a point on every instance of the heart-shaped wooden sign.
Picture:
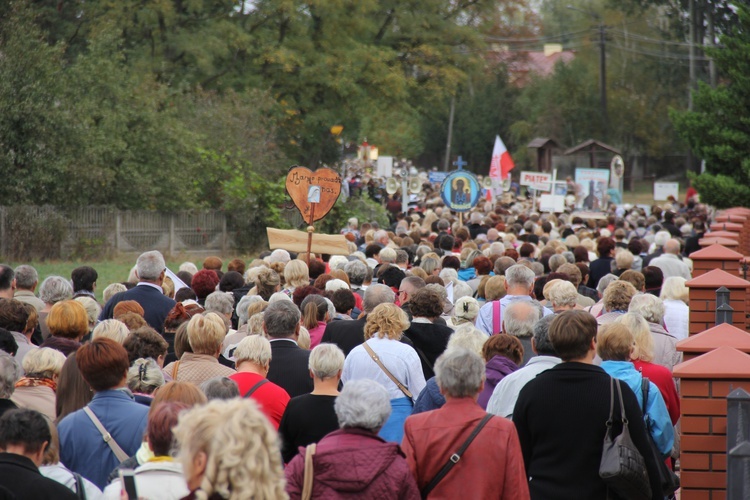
(313, 193)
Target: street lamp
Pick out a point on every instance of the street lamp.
(602, 60)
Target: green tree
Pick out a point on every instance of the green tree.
(718, 129)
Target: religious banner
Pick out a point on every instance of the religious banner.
(313, 193)
(460, 191)
(592, 187)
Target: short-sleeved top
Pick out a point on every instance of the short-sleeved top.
(271, 398)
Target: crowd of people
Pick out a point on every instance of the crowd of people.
(435, 360)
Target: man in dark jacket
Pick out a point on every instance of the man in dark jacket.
(349, 334)
(288, 367)
(150, 269)
(566, 408)
(24, 436)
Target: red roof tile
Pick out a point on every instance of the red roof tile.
(713, 338)
(721, 363)
(717, 278)
(716, 252)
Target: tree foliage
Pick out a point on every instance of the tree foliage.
(718, 129)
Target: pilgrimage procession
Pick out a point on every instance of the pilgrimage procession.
(374, 250)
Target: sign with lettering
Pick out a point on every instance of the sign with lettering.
(540, 181)
(313, 193)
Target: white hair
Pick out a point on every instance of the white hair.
(279, 296)
(563, 293)
(459, 373)
(518, 274)
(220, 302)
(279, 255)
(111, 329)
(150, 265)
(467, 337)
(55, 289)
(112, 290)
(326, 360)
(254, 348)
(363, 404)
(92, 307)
(388, 255)
(335, 285)
(674, 288)
(337, 262)
(461, 290)
(519, 319)
(449, 274)
(10, 373)
(604, 282)
(145, 376)
(649, 306)
(43, 362)
(188, 267)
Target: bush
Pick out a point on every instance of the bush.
(363, 208)
(32, 233)
(720, 191)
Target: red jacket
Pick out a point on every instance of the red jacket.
(354, 463)
(492, 466)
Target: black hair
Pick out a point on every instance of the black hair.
(6, 276)
(83, 278)
(24, 427)
(8, 342)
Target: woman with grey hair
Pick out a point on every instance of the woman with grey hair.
(220, 388)
(54, 289)
(311, 416)
(665, 344)
(144, 377)
(381, 472)
(9, 375)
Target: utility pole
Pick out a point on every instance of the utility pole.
(603, 74)
(692, 54)
(450, 135)
(712, 38)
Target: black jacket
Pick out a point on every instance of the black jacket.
(561, 420)
(598, 269)
(21, 477)
(429, 340)
(155, 305)
(345, 334)
(289, 367)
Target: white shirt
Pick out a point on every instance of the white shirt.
(62, 475)
(484, 319)
(671, 265)
(677, 318)
(505, 395)
(400, 359)
(154, 481)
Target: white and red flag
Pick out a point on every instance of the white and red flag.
(501, 163)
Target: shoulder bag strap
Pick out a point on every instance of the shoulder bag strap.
(307, 482)
(645, 382)
(255, 388)
(375, 358)
(80, 487)
(453, 460)
(119, 453)
(622, 404)
(496, 317)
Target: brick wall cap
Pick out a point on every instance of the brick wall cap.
(704, 242)
(738, 218)
(721, 363)
(737, 211)
(713, 338)
(722, 234)
(717, 278)
(716, 252)
(726, 226)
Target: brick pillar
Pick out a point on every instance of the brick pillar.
(705, 382)
(702, 295)
(739, 216)
(716, 257)
(720, 335)
(743, 237)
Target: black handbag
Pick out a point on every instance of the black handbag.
(670, 482)
(622, 467)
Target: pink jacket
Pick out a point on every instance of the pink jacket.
(354, 463)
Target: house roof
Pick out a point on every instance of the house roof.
(541, 142)
(591, 143)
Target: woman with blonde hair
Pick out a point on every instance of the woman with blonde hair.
(383, 331)
(67, 323)
(229, 450)
(296, 274)
(112, 329)
(37, 389)
(205, 334)
(674, 294)
(642, 357)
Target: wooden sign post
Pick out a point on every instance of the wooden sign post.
(314, 194)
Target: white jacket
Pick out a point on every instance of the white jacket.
(154, 481)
